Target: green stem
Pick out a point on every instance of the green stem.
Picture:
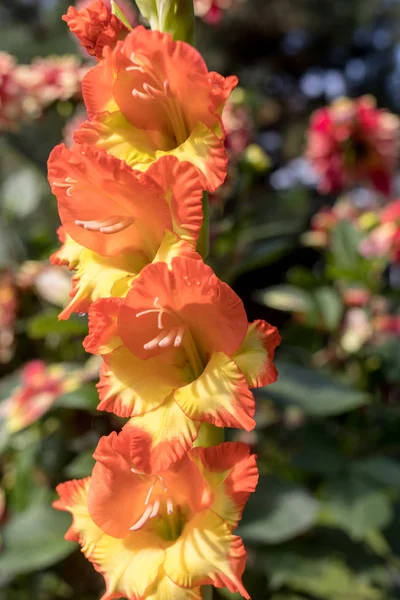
(207, 592)
(203, 244)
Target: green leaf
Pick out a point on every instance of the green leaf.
(322, 577)
(84, 398)
(377, 542)
(317, 393)
(47, 323)
(329, 306)
(262, 254)
(34, 539)
(81, 466)
(380, 469)
(320, 458)
(345, 242)
(119, 14)
(276, 512)
(356, 506)
(288, 298)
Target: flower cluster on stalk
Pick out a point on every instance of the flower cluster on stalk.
(179, 357)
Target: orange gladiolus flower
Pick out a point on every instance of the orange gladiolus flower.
(179, 343)
(152, 97)
(96, 27)
(40, 386)
(169, 532)
(109, 208)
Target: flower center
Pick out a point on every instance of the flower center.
(160, 90)
(168, 336)
(177, 335)
(156, 497)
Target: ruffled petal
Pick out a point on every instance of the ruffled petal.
(206, 151)
(232, 474)
(73, 498)
(103, 332)
(165, 589)
(139, 148)
(113, 511)
(169, 435)
(207, 553)
(129, 566)
(129, 386)
(256, 354)
(95, 277)
(221, 89)
(70, 252)
(104, 206)
(171, 247)
(113, 133)
(97, 86)
(180, 185)
(219, 396)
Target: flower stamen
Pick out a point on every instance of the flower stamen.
(164, 339)
(143, 519)
(170, 506)
(111, 225)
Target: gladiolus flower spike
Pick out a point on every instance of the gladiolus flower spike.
(179, 358)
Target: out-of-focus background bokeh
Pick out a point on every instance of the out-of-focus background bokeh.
(306, 229)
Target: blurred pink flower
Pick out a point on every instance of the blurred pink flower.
(350, 142)
(384, 240)
(239, 129)
(326, 219)
(40, 386)
(387, 324)
(356, 297)
(211, 11)
(12, 94)
(52, 78)
(27, 90)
